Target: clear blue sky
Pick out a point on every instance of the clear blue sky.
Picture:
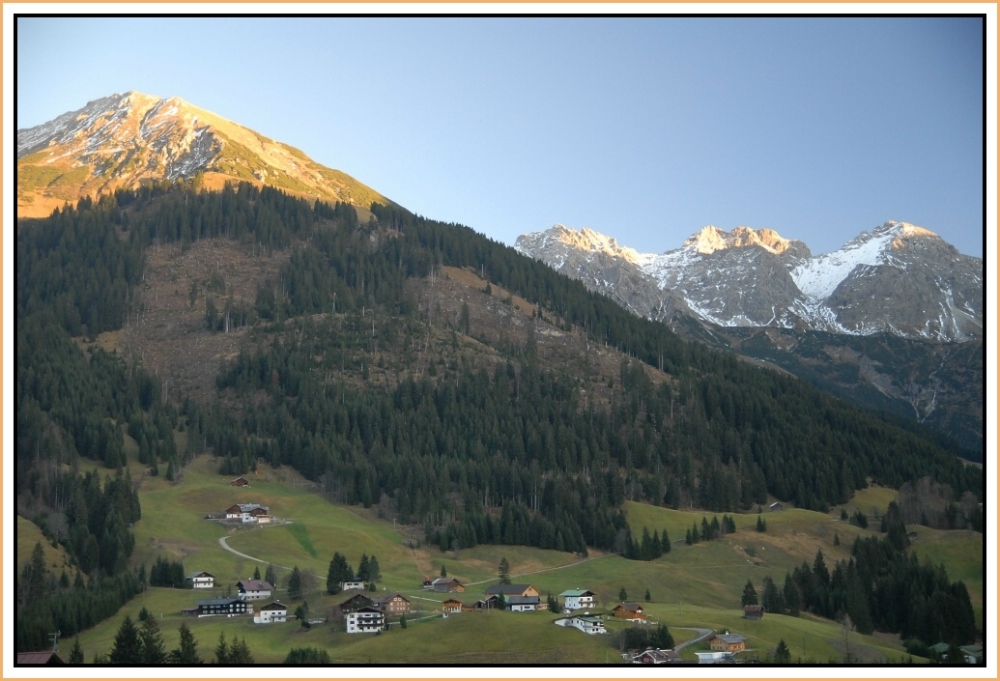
(645, 129)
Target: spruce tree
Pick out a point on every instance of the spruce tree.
(749, 595)
(76, 653)
(503, 572)
(187, 652)
(127, 648)
(295, 584)
(153, 651)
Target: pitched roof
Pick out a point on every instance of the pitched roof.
(199, 573)
(731, 638)
(507, 589)
(274, 606)
(386, 599)
(254, 585)
(219, 601)
(634, 607)
(522, 600)
(42, 657)
(575, 593)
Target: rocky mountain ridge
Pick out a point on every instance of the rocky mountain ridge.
(899, 279)
(125, 139)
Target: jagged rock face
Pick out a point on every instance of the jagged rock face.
(899, 279)
(125, 139)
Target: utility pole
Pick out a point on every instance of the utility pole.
(54, 637)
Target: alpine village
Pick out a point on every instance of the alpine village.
(266, 415)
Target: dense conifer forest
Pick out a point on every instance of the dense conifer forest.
(512, 451)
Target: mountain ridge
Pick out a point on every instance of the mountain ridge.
(125, 139)
(749, 277)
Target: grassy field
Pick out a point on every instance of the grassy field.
(691, 586)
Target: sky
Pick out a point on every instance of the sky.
(645, 129)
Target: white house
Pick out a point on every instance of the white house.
(201, 580)
(588, 624)
(714, 657)
(274, 612)
(249, 513)
(578, 599)
(254, 589)
(352, 584)
(365, 621)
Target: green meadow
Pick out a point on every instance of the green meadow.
(697, 586)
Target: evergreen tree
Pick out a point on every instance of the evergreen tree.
(761, 524)
(239, 652)
(127, 648)
(782, 655)
(749, 595)
(269, 575)
(363, 569)
(444, 570)
(772, 600)
(311, 656)
(503, 571)
(153, 651)
(374, 570)
(790, 593)
(622, 594)
(295, 584)
(187, 652)
(222, 650)
(648, 596)
(76, 653)
(402, 621)
(256, 572)
(665, 541)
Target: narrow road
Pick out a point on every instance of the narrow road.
(702, 635)
(227, 547)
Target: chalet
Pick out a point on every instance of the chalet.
(447, 585)
(655, 656)
(578, 599)
(47, 657)
(356, 602)
(393, 604)
(273, 612)
(469, 607)
(727, 643)
(776, 506)
(631, 612)
(240, 482)
(248, 513)
(509, 590)
(350, 584)
(200, 580)
(365, 621)
(753, 612)
(254, 589)
(230, 607)
(588, 624)
(427, 583)
(523, 603)
(451, 605)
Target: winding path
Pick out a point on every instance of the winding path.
(227, 547)
(702, 635)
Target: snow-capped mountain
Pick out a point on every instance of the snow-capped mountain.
(898, 278)
(125, 139)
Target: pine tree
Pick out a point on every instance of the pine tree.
(791, 596)
(622, 594)
(256, 572)
(76, 653)
(782, 655)
(239, 652)
(295, 584)
(269, 576)
(444, 571)
(749, 595)
(187, 653)
(374, 570)
(222, 650)
(363, 569)
(503, 572)
(153, 651)
(127, 648)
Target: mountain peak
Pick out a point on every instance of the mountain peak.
(124, 139)
(711, 239)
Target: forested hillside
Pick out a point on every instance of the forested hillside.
(352, 374)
